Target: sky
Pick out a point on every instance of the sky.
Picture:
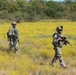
(58, 0)
(53, 0)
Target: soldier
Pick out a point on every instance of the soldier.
(13, 37)
(58, 41)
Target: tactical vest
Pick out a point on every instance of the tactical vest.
(59, 43)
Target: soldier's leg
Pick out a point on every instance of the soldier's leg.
(55, 58)
(62, 63)
(16, 48)
(10, 44)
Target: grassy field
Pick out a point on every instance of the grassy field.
(36, 50)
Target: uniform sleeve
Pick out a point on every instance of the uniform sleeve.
(55, 37)
(10, 31)
(17, 34)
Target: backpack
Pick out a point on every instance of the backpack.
(8, 36)
(54, 44)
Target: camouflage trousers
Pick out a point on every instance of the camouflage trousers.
(13, 44)
(58, 55)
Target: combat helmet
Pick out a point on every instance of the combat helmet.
(14, 23)
(59, 28)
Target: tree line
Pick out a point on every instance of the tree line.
(35, 10)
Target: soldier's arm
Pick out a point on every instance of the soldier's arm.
(10, 31)
(56, 38)
(16, 34)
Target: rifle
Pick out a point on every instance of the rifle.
(3, 38)
(64, 39)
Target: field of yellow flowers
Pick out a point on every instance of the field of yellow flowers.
(36, 50)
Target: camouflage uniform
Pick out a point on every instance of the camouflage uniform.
(58, 43)
(13, 37)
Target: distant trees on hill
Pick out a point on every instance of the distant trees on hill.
(34, 10)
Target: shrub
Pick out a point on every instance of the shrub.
(72, 16)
